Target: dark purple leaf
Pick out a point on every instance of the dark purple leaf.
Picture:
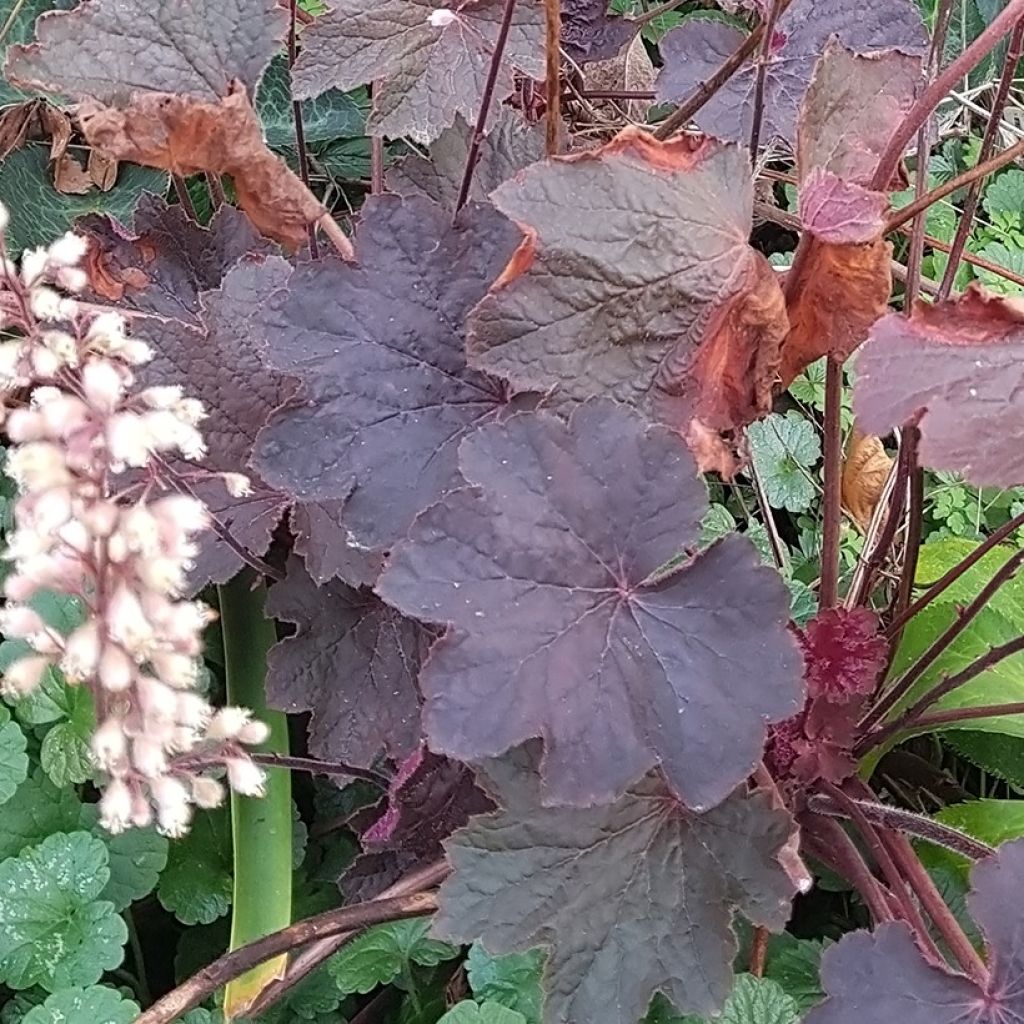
(509, 146)
(958, 364)
(696, 49)
(882, 976)
(632, 898)
(428, 59)
(563, 629)
(380, 349)
(642, 287)
(352, 662)
(321, 539)
(590, 33)
(109, 49)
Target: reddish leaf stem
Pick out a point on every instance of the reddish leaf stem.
(911, 550)
(988, 145)
(315, 766)
(954, 715)
(905, 683)
(938, 88)
(300, 129)
(376, 165)
(233, 965)
(828, 590)
(762, 73)
(485, 104)
(217, 197)
(682, 116)
(553, 75)
(975, 174)
(915, 717)
(944, 582)
(181, 191)
(759, 952)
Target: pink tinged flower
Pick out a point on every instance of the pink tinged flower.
(441, 18)
(165, 575)
(227, 723)
(101, 518)
(82, 652)
(45, 303)
(206, 792)
(142, 812)
(71, 279)
(128, 439)
(103, 385)
(173, 811)
(25, 675)
(193, 711)
(45, 364)
(148, 757)
(127, 623)
(245, 777)
(116, 807)
(20, 622)
(37, 466)
(140, 530)
(33, 265)
(116, 669)
(62, 345)
(11, 357)
(162, 396)
(63, 415)
(180, 512)
(157, 700)
(104, 327)
(68, 251)
(177, 670)
(20, 587)
(109, 745)
(237, 484)
(254, 732)
(50, 510)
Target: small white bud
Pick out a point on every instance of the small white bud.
(25, 674)
(68, 250)
(441, 18)
(245, 777)
(238, 484)
(103, 385)
(207, 792)
(116, 807)
(227, 723)
(253, 732)
(109, 746)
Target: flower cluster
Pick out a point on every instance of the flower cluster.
(95, 520)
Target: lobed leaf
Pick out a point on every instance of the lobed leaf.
(94, 1005)
(632, 898)
(379, 348)
(36, 810)
(512, 980)
(470, 1012)
(882, 975)
(697, 48)
(957, 366)
(352, 662)
(427, 72)
(686, 324)
(13, 759)
(589, 32)
(196, 884)
(567, 624)
(112, 49)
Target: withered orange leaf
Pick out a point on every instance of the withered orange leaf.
(642, 286)
(865, 470)
(185, 135)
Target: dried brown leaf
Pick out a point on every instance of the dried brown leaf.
(102, 170)
(70, 177)
(186, 136)
(15, 123)
(57, 125)
(865, 471)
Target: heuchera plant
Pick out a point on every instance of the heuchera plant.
(439, 470)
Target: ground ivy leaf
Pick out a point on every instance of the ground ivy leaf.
(39, 213)
(470, 1012)
(632, 898)
(109, 49)
(784, 449)
(687, 326)
(37, 809)
(136, 858)
(562, 628)
(698, 47)
(380, 349)
(196, 885)
(513, 980)
(1005, 194)
(385, 953)
(13, 759)
(94, 1005)
(508, 147)
(427, 73)
(332, 115)
(589, 32)
(959, 365)
(751, 1001)
(352, 662)
(57, 932)
(881, 976)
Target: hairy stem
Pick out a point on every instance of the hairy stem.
(911, 551)
(915, 718)
(238, 962)
(553, 75)
(317, 767)
(988, 145)
(954, 715)
(485, 104)
(828, 591)
(937, 90)
(261, 827)
(903, 685)
(682, 116)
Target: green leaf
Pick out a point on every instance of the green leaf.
(717, 522)
(1000, 684)
(783, 449)
(992, 821)
(196, 884)
(37, 809)
(39, 213)
(13, 759)
(752, 1001)
(385, 953)
(469, 1012)
(56, 932)
(94, 1005)
(809, 387)
(795, 966)
(20, 29)
(332, 115)
(1001, 756)
(65, 754)
(512, 980)
(136, 858)
(1006, 256)
(1005, 194)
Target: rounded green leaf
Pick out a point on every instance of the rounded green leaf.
(36, 810)
(94, 1005)
(469, 1012)
(512, 980)
(13, 759)
(196, 884)
(56, 932)
(784, 448)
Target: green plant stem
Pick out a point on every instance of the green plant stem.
(828, 590)
(143, 989)
(261, 827)
(937, 90)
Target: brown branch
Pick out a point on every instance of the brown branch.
(233, 965)
(762, 73)
(553, 75)
(300, 128)
(828, 589)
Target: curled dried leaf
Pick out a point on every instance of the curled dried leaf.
(865, 471)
